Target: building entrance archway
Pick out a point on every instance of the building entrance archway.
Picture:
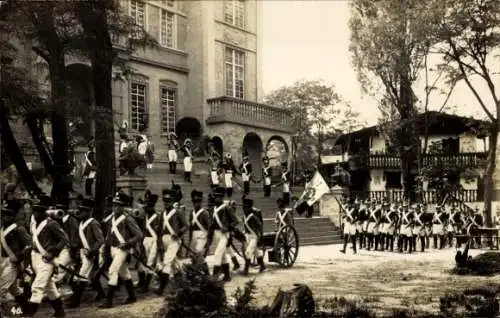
(254, 147)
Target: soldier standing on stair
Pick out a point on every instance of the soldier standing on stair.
(173, 146)
(174, 226)
(188, 159)
(151, 227)
(91, 240)
(123, 234)
(228, 169)
(246, 173)
(215, 162)
(90, 170)
(15, 246)
(48, 241)
(266, 176)
(254, 228)
(220, 233)
(350, 219)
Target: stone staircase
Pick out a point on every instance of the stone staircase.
(311, 231)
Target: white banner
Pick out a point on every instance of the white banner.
(314, 190)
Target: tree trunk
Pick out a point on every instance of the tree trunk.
(15, 154)
(39, 142)
(60, 187)
(488, 175)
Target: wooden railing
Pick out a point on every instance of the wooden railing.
(228, 109)
(430, 196)
(387, 161)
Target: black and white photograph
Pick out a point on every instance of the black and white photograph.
(250, 158)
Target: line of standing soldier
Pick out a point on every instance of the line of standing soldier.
(380, 225)
(65, 240)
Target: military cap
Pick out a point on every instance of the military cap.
(122, 198)
(42, 202)
(12, 206)
(195, 194)
(167, 194)
(219, 192)
(87, 204)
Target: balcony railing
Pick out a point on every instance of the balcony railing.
(232, 110)
(430, 196)
(387, 161)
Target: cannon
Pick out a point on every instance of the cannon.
(282, 246)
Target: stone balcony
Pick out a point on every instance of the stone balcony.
(232, 110)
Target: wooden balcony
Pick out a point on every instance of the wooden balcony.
(430, 196)
(387, 161)
(232, 110)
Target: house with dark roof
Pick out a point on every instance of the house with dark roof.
(454, 146)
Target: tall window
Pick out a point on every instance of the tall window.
(235, 73)
(138, 12)
(168, 103)
(235, 12)
(167, 28)
(138, 109)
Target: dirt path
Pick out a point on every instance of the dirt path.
(381, 280)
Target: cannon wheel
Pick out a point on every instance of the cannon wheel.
(286, 246)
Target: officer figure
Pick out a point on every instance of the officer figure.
(266, 176)
(173, 146)
(188, 159)
(229, 169)
(246, 173)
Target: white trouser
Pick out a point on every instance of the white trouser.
(349, 228)
(286, 187)
(372, 228)
(228, 180)
(172, 155)
(8, 275)
(267, 181)
(188, 164)
(406, 230)
(151, 249)
(200, 240)
(220, 249)
(43, 282)
(252, 250)
(87, 266)
(214, 176)
(64, 259)
(437, 229)
(171, 248)
(118, 267)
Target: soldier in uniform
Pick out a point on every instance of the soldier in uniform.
(220, 231)
(173, 146)
(215, 162)
(70, 253)
(188, 159)
(91, 240)
(285, 181)
(384, 226)
(284, 215)
(350, 217)
(90, 169)
(151, 241)
(174, 226)
(363, 218)
(48, 241)
(234, 233)
(266, 176)
(406, 229)
(437, 227)
(246, 173)
(392, 216)
(229, 169)
(477, 222)
(123, 234)
(254, 227)
(15, 246)
(419, 229)
(372, 225)
(200, 222)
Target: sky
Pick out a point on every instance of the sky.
(310, 40)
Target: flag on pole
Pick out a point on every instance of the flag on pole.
(314, 190)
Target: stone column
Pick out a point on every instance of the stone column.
(496, 184)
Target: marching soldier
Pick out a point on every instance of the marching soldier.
(199, 221)
(48, 241)
(173, 146)
(123, 234)
(174, 226)
(246, 173)
(91, 240)
(228, 168)
(350, 217)
(437, 228)
(70, 253)
(234, 233)
(362, 223)
(151, 241)
(266, 176)
(16, 244)
(372, 224)
(220, 229)
(188, 159)
(254, 227)
(90, 169)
